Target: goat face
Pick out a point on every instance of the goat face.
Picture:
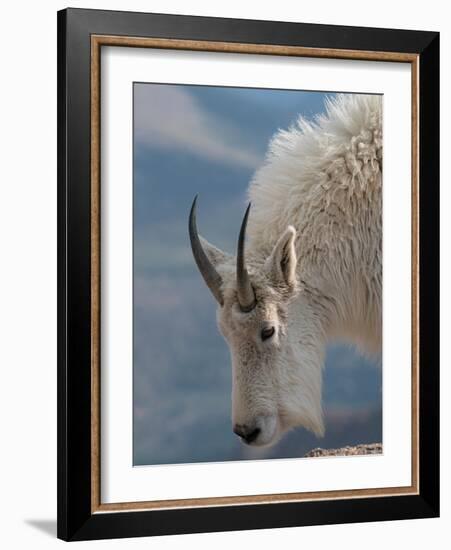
(273, 337)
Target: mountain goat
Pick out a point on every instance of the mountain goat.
(310, 271)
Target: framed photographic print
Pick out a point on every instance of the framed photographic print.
(248, 274)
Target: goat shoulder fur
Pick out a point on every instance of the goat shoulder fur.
(324, 178)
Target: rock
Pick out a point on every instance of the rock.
(365, 449)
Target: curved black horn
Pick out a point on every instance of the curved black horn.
(206, 268)
(246, 295)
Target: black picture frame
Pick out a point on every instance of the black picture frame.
(76, 520)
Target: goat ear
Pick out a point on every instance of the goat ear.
(215, 255)
(281, 264)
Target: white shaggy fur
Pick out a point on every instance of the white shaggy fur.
(314, 258)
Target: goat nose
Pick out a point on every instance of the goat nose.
(248, 433)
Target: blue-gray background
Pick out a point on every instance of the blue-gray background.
(210, 140)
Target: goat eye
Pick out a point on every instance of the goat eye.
(267, 333)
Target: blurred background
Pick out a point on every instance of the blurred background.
(210, 140)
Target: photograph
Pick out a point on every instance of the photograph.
(247, 274)
(224, 285)
(257, 273)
